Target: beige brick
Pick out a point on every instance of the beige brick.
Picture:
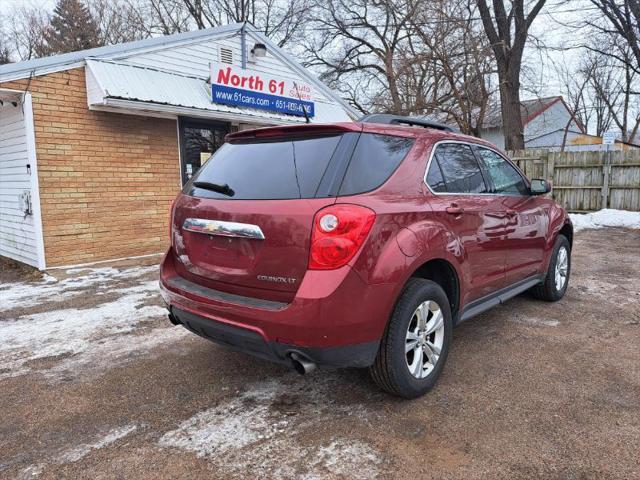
(106, 179)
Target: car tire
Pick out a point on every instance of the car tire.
(404, 368)
(550, 289)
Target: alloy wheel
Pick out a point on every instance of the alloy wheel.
(562, 268)
(424, 339)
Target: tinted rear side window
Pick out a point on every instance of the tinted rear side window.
(434, 177)
(283, 169)
(460, 168)
(373, 161)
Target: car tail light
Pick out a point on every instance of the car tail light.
(338, 233)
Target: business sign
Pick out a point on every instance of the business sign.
(609, 138)
(246, 88)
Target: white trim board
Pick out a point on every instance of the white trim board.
(35, 184)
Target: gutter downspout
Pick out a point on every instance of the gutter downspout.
(243, 45)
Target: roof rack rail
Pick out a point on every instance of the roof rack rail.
(389, 119)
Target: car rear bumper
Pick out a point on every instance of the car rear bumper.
(334, 319)
(247, 341)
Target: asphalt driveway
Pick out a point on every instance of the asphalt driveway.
(95, 383)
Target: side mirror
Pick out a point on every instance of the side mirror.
(540, 186)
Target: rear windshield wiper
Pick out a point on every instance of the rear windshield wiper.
(214, 187)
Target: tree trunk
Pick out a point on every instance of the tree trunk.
(512, 127)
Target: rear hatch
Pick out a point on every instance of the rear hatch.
(243, 223)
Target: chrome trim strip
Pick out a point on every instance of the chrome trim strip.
(470, 144)
(223, 229)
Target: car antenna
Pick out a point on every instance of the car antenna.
(304, 110)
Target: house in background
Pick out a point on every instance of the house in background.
(544, 120)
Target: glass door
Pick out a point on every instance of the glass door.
(198, 141)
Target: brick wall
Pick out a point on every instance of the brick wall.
(106, 179)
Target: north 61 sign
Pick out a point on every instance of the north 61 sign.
(246, 88)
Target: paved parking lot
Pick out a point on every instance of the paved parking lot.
(95, 383)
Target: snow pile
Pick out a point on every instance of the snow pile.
(605, 218)
(60, 342)
(50, 289)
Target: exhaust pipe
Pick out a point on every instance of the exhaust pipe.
(301, 364)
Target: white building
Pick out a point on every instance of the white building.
(544, 120)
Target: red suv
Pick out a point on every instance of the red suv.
(358, 245)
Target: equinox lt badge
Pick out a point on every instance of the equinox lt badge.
(274, 279)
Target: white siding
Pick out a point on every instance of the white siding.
(540, 130)
(195, 58)
(20, 235)
(552, 119)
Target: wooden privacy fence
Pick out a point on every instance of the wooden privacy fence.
(587, 181)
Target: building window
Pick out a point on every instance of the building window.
(198, 141)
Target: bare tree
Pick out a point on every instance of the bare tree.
(281, 20)
(614, 86)
(507, 31)
(120, 21)
(603, 93)
(576, 86)
(463, 62)
(405, 57)
(26, 29)
(622, 23)
(359, 43)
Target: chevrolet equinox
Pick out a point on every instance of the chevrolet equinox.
(358, 245)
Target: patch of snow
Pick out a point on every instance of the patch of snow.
(538, 322)
(605, 218)
(77, 453)
(81, 451)
(49, 289)
(621, 293)
(222, 429)
(99, 336)
(347, 459)
(252, 432)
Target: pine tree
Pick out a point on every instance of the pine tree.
(5, 56)
(72, 28)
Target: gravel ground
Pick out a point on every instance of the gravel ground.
(95, 383)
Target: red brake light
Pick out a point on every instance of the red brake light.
(338, 233)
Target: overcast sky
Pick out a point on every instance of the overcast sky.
(552, 28)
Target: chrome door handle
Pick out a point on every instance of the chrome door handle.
(223, 229)
(455, 210)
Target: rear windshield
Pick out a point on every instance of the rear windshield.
(295, 168)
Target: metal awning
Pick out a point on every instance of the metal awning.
(114, 86)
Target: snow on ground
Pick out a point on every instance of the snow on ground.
(50, 289)
(78, 452)
(81, 451)
(100, 336)
(605, 218)
(251, 431)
